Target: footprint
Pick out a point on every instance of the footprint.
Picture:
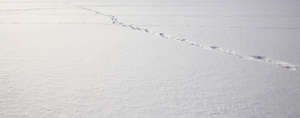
(214, 47)
(258, 57)
(163, 35)
(146, 30)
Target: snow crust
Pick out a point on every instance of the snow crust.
(149, 59)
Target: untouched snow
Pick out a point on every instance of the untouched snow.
(149, 59)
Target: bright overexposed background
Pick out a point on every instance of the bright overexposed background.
(59, 61)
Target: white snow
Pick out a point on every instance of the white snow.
(149, 59)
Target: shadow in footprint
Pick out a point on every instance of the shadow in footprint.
(258, 57)
(213, 47)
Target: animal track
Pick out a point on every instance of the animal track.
(262, 59)
(115, 21)
(258, 57)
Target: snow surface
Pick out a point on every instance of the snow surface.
(149, 59)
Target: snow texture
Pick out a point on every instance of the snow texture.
(149, 59)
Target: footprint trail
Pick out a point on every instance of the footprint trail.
(258, 58)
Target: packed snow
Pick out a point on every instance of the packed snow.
(149, 59)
